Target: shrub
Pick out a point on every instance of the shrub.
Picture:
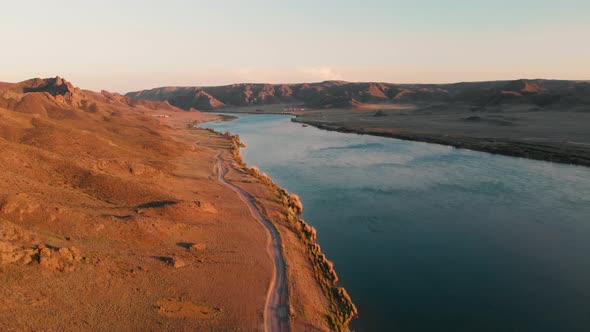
(295, 203)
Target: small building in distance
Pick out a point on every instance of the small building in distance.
(293, 109)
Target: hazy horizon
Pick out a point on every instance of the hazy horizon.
(138, 45)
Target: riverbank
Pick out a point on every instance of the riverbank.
(314, 299)
(342, 310)
(560, 149)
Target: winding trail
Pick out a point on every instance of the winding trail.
(276, 310)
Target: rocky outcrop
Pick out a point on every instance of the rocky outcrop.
(177, 262)
(13, 254)
(59, 259)
(197, 247)
(56, 86)
(22, 247)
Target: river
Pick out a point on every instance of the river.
(428, 237)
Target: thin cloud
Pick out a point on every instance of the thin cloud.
(323, 73)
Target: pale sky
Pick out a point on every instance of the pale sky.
(131, 45)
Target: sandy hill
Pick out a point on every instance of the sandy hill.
(330, 94)
(66, 151)
(82, 176)
(113, 217)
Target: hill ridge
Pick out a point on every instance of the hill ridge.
(330, 94)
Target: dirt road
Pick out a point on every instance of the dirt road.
(276, 311)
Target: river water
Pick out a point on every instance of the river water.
(432, 238)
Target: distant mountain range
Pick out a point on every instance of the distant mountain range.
(332, 94)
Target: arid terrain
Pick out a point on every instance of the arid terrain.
(558, 136)
(539, 119)
(117, 214)
(335, 94)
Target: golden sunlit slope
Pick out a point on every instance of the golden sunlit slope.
(99, 209)
(112, 217)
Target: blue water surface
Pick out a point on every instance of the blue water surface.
(428, 237)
